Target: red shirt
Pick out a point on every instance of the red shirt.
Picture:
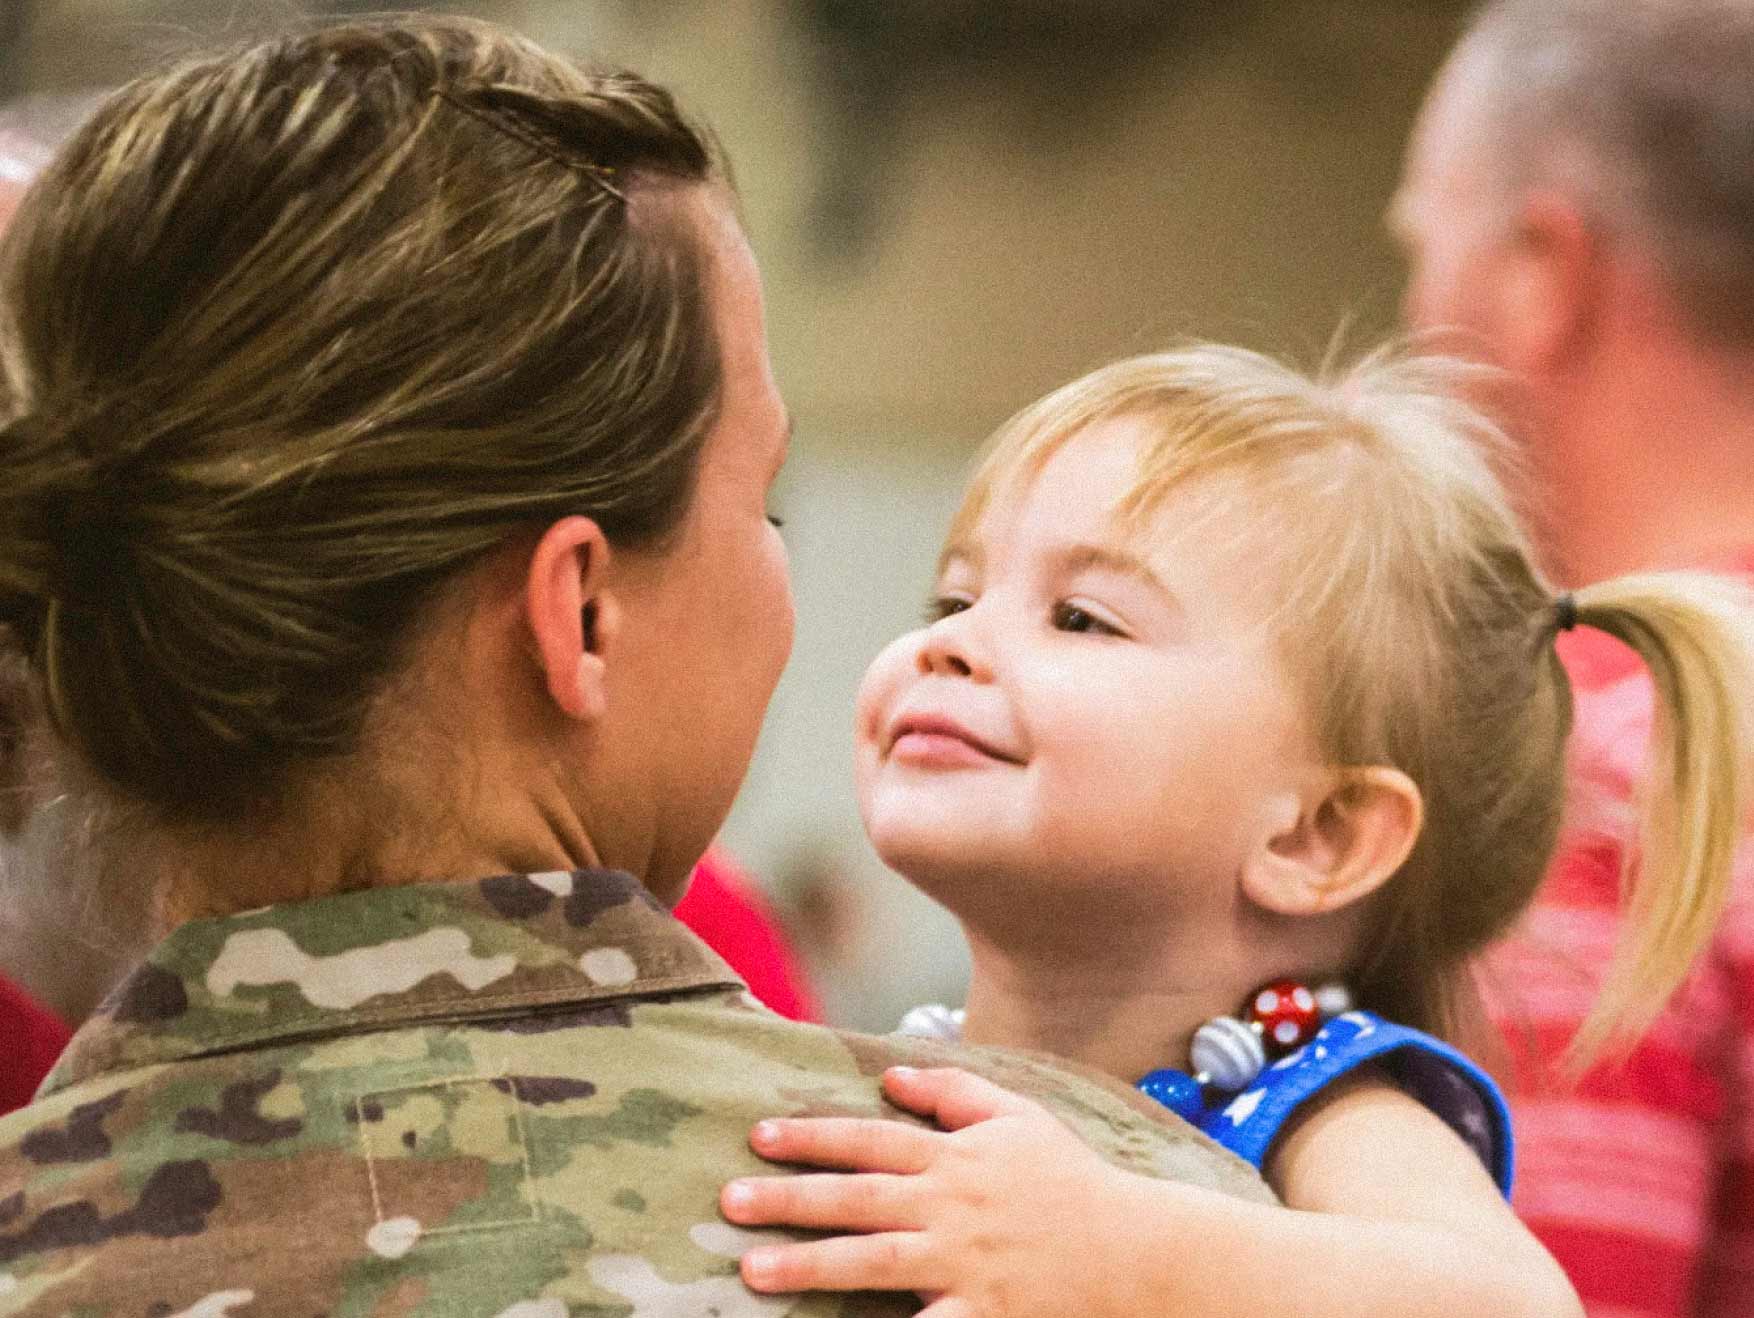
(728, 912)
(1641, 1181)
(30, 1041)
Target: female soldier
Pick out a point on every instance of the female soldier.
(382, 525)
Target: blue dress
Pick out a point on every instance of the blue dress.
(1428, 1069)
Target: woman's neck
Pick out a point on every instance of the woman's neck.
(347, 837)
(1123, 1010)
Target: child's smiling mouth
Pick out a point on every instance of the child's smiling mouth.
(937, 741)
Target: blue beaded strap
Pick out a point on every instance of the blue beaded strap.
(1428, 1069)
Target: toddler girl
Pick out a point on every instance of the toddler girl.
(1235, 732)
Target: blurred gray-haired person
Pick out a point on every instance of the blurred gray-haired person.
(1578, 209)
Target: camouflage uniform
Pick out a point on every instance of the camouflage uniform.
(514, 1097)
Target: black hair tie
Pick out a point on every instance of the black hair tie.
(1565, 612)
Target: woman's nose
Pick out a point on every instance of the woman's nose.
(952, 648)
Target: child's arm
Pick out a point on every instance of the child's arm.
(1006, 1213)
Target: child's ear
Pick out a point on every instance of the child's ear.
(1347, 839)
(572, 614)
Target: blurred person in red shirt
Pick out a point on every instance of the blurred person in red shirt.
(1578, 210)
(31, 1038)
(725, 907)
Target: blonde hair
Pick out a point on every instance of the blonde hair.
(292, 336)
(1411, 615)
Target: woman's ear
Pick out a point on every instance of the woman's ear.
(572, 615)
(1344, 843)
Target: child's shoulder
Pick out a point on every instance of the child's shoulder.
(1347, 1050)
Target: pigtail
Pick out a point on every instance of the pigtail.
(1695, 634)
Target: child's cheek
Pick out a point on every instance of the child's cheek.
(884, 682)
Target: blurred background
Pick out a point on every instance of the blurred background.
(958, 205)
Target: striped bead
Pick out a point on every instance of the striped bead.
(1227, 1053)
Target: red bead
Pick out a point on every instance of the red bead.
(1287, 1013)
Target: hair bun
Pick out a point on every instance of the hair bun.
(87, 537)
(27, 531)
(62, 537)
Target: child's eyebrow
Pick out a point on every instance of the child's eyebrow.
(1108, 558)
(960, 553)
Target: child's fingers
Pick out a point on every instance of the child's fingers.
(848, 1143)
(824, 1202)
(951, 1096)
(894, 1261)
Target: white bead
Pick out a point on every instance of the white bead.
(1333, 999)
(933, 1021)
(1227, 1052)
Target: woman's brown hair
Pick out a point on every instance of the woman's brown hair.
(291, 336)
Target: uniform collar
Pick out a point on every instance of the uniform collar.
(388, 957)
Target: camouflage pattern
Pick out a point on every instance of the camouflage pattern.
(515, 1097)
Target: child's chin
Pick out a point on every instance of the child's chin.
(945, 866)
(912, 851)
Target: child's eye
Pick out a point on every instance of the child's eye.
(1071, 618)
(778, 523)
(940, 607)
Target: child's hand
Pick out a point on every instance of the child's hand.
(1006, 1214)
(981, 1216)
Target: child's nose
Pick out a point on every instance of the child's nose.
(951, 649)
